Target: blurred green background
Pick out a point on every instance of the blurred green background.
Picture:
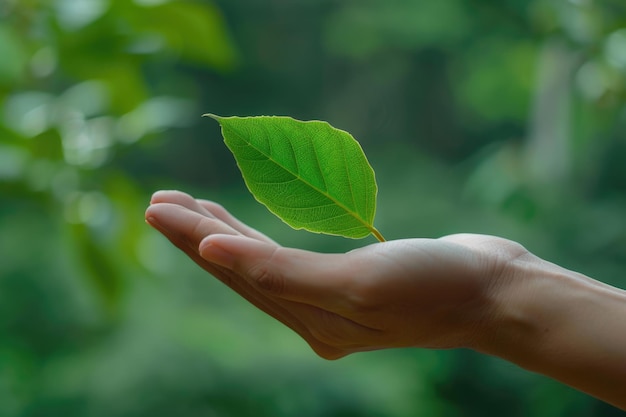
(505, 118)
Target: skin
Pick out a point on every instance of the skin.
(473, 291)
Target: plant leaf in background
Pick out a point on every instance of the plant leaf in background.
(309, 174)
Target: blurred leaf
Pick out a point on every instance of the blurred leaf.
(12, 162)
(196, 31)
(125, 83)
(13, 56)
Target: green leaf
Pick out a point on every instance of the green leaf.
(309, 174)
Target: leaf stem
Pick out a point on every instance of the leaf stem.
(377, 235)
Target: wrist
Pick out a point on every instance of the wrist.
(524, 307)
(561, 324)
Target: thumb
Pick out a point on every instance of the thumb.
(292, 274)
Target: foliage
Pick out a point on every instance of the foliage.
(311, 175)
(479, 116)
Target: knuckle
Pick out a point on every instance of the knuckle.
(267, 279)
(204, 226)
(362, 291)
(215, 208)
(363, 296)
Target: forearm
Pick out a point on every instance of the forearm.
(564, 325)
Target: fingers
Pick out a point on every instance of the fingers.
(304, 290)
(321, 280)
(306, 283)
(221, 213)
(185, 228)
(179, 222)
(207, 208)
(180, 198)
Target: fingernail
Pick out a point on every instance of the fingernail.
(152, 221)
(158, 195)
(216, 254)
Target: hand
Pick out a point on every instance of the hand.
(416, 292)
(475, 291)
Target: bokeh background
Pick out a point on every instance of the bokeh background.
(500, 117)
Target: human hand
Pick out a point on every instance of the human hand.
(476, 291)
(414, 292)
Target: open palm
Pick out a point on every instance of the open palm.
(412, 292)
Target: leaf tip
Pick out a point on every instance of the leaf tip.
(212, 116)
